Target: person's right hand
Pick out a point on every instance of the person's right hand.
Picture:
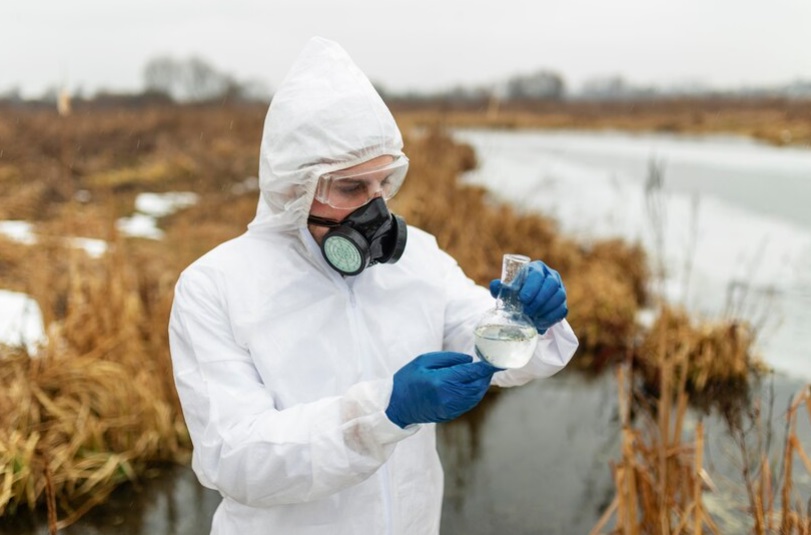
(438, 387)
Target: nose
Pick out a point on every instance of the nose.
(375, 190)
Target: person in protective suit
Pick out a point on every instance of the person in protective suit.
(314, 353)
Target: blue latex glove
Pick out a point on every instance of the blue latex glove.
(541, 293)
(438, 387)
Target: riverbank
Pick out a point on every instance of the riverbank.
(106, 315)
(534, 460)
(725, 223)
(781, 122)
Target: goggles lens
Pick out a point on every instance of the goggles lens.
(342, 189)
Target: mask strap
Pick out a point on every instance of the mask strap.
(323, 222)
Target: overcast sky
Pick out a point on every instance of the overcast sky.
(414, 44)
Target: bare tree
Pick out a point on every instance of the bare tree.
(191, 79)
(543, 84)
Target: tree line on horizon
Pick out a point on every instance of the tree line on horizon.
(194, 80)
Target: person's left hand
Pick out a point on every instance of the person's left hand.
(542, 294)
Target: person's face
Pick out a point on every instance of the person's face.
(326, 211)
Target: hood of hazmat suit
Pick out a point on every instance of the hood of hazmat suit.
(325, 116)
(284, 367)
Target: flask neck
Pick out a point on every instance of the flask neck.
(513, 270)
(508, 300)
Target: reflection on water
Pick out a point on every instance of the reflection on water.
(529, 460)
(173, 503)
(532, 460)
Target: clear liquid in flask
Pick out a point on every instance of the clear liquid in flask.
(506, 346)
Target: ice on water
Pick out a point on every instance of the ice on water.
(734, 220)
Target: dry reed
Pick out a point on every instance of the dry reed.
(98, 405)
(718, 357)
(776, 121)
(774, 505)
(659, 478)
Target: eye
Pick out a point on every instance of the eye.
(351, 187)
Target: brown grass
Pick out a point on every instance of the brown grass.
(98, 406)
(717, 357)
(768, 479)
(98, 403)
(605, 281)
(660, 479)
(776, 121)
(659, 476)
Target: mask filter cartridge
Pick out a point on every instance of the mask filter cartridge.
(370, 235)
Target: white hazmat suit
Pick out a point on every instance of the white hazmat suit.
(284, 367)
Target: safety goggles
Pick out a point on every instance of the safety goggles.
(352, 189)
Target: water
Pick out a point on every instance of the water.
(506, 346)
(170, 502)
(533, 460)
(732, 227)
(536, 459)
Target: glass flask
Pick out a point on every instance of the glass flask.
(505, 336)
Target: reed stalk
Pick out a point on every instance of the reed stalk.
(659, 477)
(97, 405)
(90, 410)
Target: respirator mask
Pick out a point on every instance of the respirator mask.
(370, 234)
